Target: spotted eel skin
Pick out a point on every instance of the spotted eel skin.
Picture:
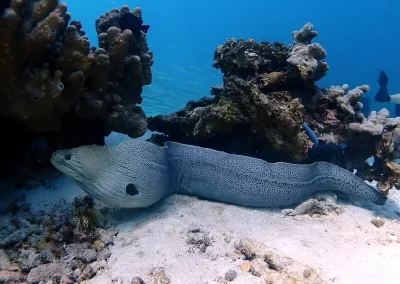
(138, 174)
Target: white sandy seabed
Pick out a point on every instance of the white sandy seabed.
(341, 248)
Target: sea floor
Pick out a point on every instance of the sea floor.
(345, 248)
(183, 239)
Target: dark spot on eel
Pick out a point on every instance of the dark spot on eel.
(131, 189)
(68, 157)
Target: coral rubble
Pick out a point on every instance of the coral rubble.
(262, 262)
(66, 242)
(268, 93)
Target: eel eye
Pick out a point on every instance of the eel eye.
(131, 189)
(68, 157)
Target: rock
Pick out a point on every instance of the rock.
(393, 238)
(88, 272)
(87, 255)
(19, 235)
(258, 267)
(65, 279)
(230, 275)
(97, 265)
(47, 272)
(4, 260)
(272, 267)
(28, 259)
(104, 254)
(319, 204)
(159, 276)
(307, 273)
(8, 276)
(9, 272)
(137, 280)
(378, 222)
(271, 81)
(198, 238)
(106, 237)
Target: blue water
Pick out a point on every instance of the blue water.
(360, 36)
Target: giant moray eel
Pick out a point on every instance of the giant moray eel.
(138, 174)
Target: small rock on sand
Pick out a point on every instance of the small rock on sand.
(230, 275)
(378, 222)
(137, 280)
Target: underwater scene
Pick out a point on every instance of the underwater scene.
(158, 142)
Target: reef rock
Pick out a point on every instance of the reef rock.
(261, 107)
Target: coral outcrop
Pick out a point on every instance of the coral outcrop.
(259, 110)
(49, 69)
(268, 94)
(32, 87)
(53, 83)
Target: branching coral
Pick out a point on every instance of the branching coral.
(348, 100)
(306, 56)
(374, 124)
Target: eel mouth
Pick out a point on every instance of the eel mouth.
(58, 161)
(70, 170)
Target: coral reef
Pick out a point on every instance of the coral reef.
(54, 84)
(379, 136)
(268, 95)
(50, 68)
(258, 111)
(57, 91)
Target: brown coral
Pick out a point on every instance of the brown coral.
(33, 96)
(60, 70)
(258, 105)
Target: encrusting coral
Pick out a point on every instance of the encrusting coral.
(49, 69)
(348, 100)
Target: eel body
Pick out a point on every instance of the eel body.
(138, 174)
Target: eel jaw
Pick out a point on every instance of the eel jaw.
(87, 185)
(68, 169)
